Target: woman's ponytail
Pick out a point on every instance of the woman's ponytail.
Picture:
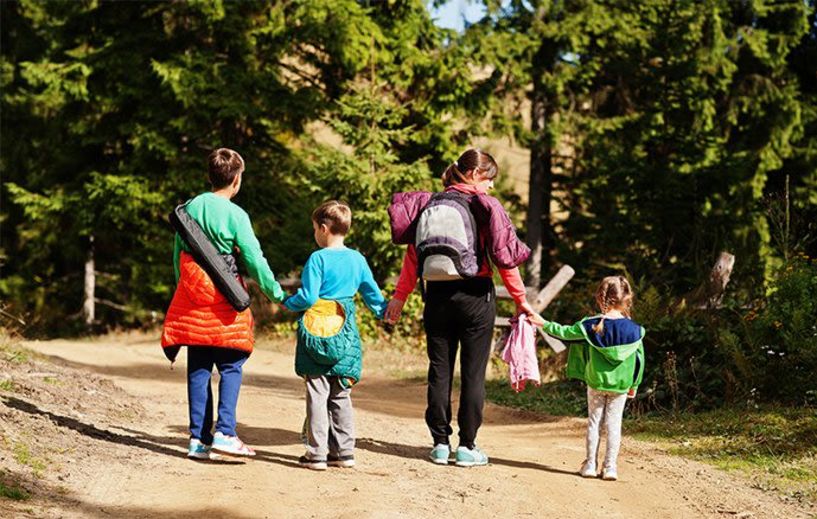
(452, 175)
(471, 160)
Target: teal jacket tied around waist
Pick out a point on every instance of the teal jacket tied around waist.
(339, 355)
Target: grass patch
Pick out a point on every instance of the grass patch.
(16, 355)
(559, 398)
(13, 492)
(776, 446)
(24, 456)
(10, 349)
(7, 385)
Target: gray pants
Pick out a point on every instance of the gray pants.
(331, 427)
(608, 408)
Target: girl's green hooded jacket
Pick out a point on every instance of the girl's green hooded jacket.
(617, 368)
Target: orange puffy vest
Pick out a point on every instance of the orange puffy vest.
(200, 316)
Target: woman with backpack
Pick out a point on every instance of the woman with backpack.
(453, 237)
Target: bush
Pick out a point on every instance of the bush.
(407, 333)
(766, 351)
(685, 367)
(782, 340)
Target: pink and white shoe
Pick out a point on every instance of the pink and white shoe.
(230, 445)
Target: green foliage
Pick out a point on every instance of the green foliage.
(371, 124)
(662, 124)
(670, 131)
(110, 109)
(13, 491)
(563, 398)
(700, 360)
(782, 336)
(407, 333)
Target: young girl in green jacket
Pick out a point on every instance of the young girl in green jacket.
(608, 356)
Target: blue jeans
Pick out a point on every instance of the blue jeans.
(200, 362)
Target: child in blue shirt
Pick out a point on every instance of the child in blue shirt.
(328, 353)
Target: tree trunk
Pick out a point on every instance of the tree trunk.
(88, 304)
(538, 217)
(540, 182)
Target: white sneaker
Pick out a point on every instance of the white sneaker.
(312, 464)
(198, 450)
(588, 470)
(609, 474)
(230, 445)
(345, 462)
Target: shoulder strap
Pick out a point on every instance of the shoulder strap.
(206, 255)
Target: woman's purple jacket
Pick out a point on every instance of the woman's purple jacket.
(497, 230)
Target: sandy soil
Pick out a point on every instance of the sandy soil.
(111, 429)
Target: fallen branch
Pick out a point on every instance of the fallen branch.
(115, 306)
(7, 315)
(552, 289)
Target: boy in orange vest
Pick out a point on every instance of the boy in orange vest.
(202, 319)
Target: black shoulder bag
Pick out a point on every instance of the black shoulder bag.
(209, 259)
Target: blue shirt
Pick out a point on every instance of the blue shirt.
(336, 273)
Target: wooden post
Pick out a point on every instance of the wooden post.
(88, 308)
(552, 289)
(546, 296)
(540, 302)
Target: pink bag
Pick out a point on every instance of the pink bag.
(520, 354)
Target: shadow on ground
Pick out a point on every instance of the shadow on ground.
(392, 397)
(422, 452)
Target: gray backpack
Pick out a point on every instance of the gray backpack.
(447, 238)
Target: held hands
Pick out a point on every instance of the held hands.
(393, 311)
(534, 318)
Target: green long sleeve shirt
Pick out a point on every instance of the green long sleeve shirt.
(229, 228)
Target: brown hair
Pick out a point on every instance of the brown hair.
(223, 165)
(613, 292)
(335, 215)
(471, 159)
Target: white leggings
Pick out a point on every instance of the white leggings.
(604, 407)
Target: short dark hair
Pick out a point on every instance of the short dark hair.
(335, 215)
(223, 165)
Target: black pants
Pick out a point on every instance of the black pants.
(458, 313)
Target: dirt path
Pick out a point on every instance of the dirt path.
(532, 471)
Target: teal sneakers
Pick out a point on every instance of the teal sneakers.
(440, 454)
(470, 457)
(198, 450)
